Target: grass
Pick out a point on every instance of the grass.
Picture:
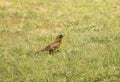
(91, 47)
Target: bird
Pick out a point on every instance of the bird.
(52, 47)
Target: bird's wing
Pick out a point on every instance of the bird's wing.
(55, 45)
(52, 46)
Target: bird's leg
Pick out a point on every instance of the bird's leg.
(51, 52)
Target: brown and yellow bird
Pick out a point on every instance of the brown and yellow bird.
(53, 46)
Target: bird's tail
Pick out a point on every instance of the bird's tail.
(39, 51)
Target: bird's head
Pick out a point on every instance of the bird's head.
(60, 36)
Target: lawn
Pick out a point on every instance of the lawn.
(90, 51)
